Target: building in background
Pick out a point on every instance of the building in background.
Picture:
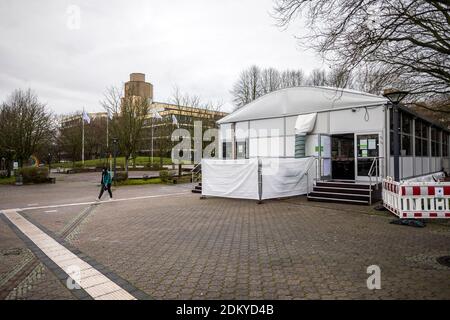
(160, 130)
(162, 119)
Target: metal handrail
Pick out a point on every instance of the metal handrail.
(194, 171)
(370, 174)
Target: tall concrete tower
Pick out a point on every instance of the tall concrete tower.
(138, 87)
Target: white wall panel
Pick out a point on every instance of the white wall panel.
(349, 121)
(418, 169)
(426, 165)
(267, 127)
(407, 167)
(225, 132)
(241, 130)
(322, 123)
(290, 125)
(290, 146)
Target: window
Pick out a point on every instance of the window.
(445, 143)
(241, 150)
(421, 138)
(435, 142)
(226, 150)
(405, 135)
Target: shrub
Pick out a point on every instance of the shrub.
(121, 176)
(34, 174)
(164, 175)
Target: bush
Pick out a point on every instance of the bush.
(34, 174)
(164, 175)
(121, 176)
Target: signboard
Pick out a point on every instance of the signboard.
(15, 165)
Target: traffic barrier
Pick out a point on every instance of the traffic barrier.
(419, 200)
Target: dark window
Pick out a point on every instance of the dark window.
(418, 128)
(424, 130)
(406, 123)
(425, 148)
(406, 149)
(435, 142)
(445, 144)
(418, 147)
(226, 150)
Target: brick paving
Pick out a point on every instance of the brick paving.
(186, 248)
(181, 247)
(22, 270)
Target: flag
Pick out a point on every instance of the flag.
(175, 121)
(156, 115)
(86, 117)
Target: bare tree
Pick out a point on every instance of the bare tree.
(270, 80)
(129, 115)
(26, 125)
(292, 78)
(410, 38)
(317, 77)
(248, 87)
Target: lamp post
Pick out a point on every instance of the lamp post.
(115, 142)
(49, 160)
(395, 97)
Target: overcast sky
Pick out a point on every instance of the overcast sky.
(199, 45)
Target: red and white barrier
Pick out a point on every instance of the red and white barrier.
(421, 200)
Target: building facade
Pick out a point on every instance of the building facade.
(348, 131)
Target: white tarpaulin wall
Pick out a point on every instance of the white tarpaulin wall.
(230, 178)
(240, 178)
(286, 177)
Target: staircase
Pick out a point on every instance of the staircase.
(345, 192)
(197, 188)
(196, 176)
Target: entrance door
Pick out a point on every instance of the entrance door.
(343, 156)
(324, 154)
(367, 151)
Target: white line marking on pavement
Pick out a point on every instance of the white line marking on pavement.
(99, 202)
(97, 285)
(50, 211)
(32, 204)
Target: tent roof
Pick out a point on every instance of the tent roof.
(301, 100)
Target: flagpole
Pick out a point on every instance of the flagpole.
(82, 137)
(152, 143)
(107, 130)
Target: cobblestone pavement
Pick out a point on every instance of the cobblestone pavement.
(181, 247)
(22, 276)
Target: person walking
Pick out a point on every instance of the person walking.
(106, 183)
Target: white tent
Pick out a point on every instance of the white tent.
(302, 100)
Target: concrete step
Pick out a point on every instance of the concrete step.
(324, 199)
(335, 195)
(352, 185)
(341, 190)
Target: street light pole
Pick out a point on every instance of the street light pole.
(396, 141)
(115, 141)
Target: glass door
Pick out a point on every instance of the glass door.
(324, 154)
(367, 151)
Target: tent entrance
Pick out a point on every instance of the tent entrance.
(343, 156)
